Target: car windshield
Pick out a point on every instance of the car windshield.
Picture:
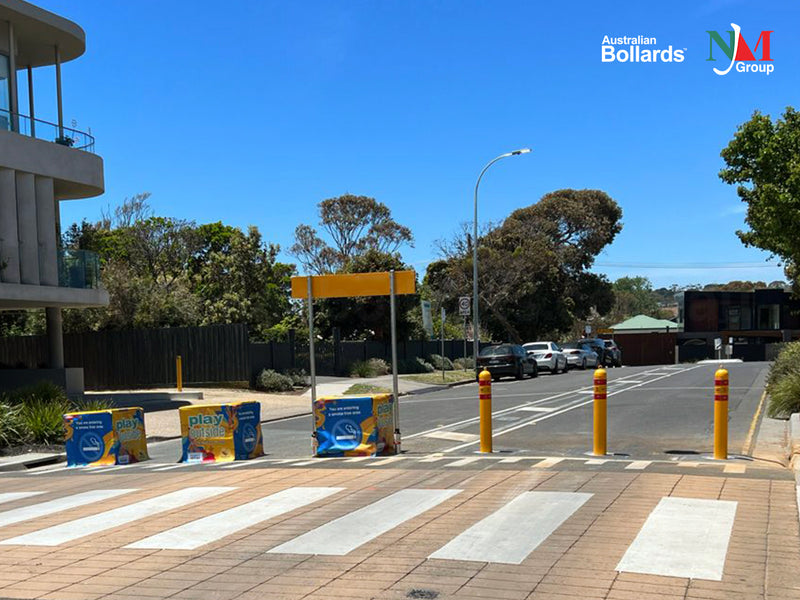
(535, 346)
(573, 345)
(497, 350)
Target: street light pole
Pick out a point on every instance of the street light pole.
(476, 324)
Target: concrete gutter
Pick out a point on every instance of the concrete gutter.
(30, 460)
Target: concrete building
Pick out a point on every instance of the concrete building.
(41, 165)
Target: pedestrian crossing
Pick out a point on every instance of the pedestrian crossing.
(496, 460)
(681, 537)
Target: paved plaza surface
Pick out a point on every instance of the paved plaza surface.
(369, 530)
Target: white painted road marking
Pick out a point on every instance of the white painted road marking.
(73, 530)
(347, 533)
(683, 537)
(463, 461)
(59, 504)
(453, 436)
(513, 532)
(596, 461)
(547, 463)
(217, 526)
(639, 465)
(538, 408)
(11, 496)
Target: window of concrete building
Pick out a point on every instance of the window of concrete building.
(5, 93)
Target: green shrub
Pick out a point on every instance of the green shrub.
(464, 363)
(379, 367)
(43, 391)
(43, 420)
(299, 377)
(272, 381)
(438, 361)
(414, 366)
(92, 403)
(11, 429)
(783, 382)
(360, 368)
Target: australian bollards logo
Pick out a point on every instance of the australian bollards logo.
(639, 49)
(739, 53)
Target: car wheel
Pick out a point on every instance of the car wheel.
(583, 365)
(520, 372)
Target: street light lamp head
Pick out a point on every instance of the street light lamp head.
(521, 151)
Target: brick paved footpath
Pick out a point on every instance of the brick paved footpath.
(577, 559)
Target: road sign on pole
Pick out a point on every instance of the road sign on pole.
(464, 306)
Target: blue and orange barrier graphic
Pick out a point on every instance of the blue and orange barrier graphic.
(105, 437)
(221, 432)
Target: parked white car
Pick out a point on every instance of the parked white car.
(580, 356)
(548, 355)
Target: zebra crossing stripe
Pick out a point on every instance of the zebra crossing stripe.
(683, 537)
(11, 496)
(214, 527)
(43, 509)
(463, 461)
(547, 463)
(638, 465)
(73, 530)
(347, 533)
(510, 534)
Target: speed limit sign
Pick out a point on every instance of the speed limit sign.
(464, 306)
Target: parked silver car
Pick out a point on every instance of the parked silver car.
(548, 356)
(580, 356)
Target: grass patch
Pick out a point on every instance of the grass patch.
(449, 377)
(366, 388)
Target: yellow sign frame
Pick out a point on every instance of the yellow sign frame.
(354, 285)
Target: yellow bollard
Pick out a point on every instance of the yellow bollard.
(179, 371)
(721, 414)
(485, 409)
(600, 417)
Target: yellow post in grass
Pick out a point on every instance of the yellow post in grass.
(600, 417)
(721, 414)
(179, 371)
(485, 409)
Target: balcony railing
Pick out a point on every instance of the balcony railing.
(78, 269)
(44, 130)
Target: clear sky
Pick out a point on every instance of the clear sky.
(251, 112)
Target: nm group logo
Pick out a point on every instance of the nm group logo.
(738, 52)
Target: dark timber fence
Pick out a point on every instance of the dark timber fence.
(143, 357)
(113, 360)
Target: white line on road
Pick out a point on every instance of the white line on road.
(11, 496)
(463, 461)
(683, 537)
(43, 509)
(538, 408)
(217, 526)
(385, 461)
(73, 530)
(639, 465)
(453, 436)
(513, 532)
(547, 463)
(596, 461)
(347, 533)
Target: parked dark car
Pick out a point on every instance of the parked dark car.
(507, 359)
(614, 353)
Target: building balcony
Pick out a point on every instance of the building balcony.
(44, 130)
(79, 269)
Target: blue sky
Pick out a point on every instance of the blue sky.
(251, 112)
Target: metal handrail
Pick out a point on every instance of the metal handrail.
(65, 136)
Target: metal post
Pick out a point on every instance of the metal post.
(485, 409)
(312, 366)
(442, 338)
(600, 416)
(12, 76)
(395, 391)
(31, 112)
(465, 343)
(179, 372)
(721, 414)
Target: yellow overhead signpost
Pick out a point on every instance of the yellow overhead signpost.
(352, 285)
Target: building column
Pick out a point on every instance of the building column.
(27, 230)
(55, 337)
(46, 226)
(9, 240)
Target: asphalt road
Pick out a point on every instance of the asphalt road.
(653, 412)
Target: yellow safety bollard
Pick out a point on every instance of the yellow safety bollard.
(721, 414)
(485, 395)
(600, 417)
(179, 371)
